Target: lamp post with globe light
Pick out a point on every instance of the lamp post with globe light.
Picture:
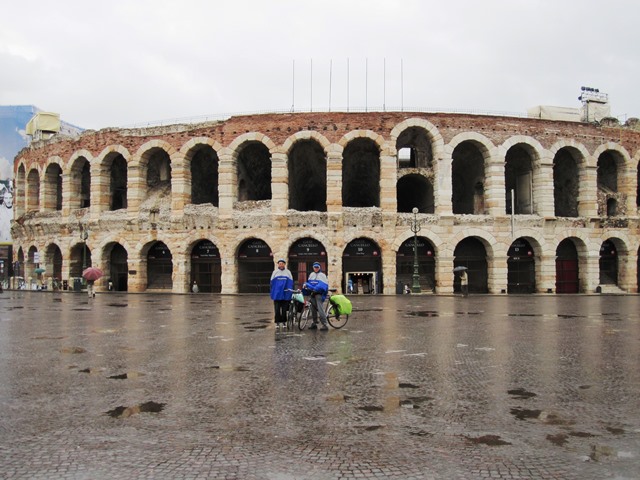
(415, 228)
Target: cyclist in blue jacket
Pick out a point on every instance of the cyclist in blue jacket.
(281, 281)
(318, 284)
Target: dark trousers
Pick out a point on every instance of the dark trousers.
(281, 308)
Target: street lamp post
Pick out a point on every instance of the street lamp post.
(84, 234)
(415, 228)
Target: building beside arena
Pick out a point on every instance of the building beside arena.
(526, 204)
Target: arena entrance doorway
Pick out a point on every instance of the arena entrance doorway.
(471, 253)
(567, 268)
(426, 264)
(362, 262)
(118, 269)
(521, 273)
(159, 267)
(206, 267)
(608, 263)
(302, 254)
(255, 265)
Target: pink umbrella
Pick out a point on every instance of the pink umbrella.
(92, 273)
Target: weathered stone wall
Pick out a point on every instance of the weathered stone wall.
(167, 214)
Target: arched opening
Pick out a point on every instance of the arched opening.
(362, 266)
(414, 149)
(468, 180)
(204, 175)
(255, 265)
(206, 267)
(159, 267)
(117, 183)
(608, 263)
(79, 259)
(472, 254)
(521, 268)
(307, 177)
(33, 191)
(567, 268)
(20, 191)
(566, 184)
(53, 262)
(426, 265)
(609, 198)
(361, 174)
(119, 268)
(158, 178)
(302, 254)
(80, 184)
(53, 187)
(415, 190)
(518, 172)
(254, 172)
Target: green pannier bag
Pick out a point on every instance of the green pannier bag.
(342, 303)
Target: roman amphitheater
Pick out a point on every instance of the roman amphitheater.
(526, 205)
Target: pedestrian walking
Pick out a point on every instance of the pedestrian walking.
(318, 285)
(91, 292)
(464, 283)
(194, 287)
(281, 281)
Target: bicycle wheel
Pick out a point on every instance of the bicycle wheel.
(304, 317)
(291, 316)
(335, 319)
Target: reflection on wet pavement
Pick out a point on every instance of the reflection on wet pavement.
(431, 387)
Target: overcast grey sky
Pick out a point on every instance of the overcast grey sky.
(118, 63)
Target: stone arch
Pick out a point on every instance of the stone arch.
(33, 189)
(52, 184)
(361, 170)
(290, 141)
(307, 173)
(470, 158)
(521, 162)
(113, 177)
(78, 176)
(252, 155)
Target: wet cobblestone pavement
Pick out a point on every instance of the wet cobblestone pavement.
(414, 387)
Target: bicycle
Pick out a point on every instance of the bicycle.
(296, 307)
(334, 317)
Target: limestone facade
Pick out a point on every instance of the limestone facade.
(512, 198)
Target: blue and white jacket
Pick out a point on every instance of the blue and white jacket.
(318, 283)
(281, 280)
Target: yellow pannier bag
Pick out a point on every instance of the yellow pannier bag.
(342, 303)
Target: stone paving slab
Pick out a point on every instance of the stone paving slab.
(414, 387)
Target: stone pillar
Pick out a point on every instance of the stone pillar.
(591, 275)
(227, 184)
(180, 184)
(136, 187)
(279, 183)
(137, 282)
(588, 195)
(229, 274)
(494, 184)
(334, 179)
(444, 273)
(389, 272)
(443, 184)
(543, 201)
(546, 272)
(497, 272)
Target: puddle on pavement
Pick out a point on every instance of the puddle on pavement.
(559, 439)
(73, 350)
(147, 407)
(581, 434)
(407, 385)
(615, 430)
(422, 314)
(420, 433)
(47, 338)
(565, 315)
(521, 393)
(524, 315)
(491, 440)
(524, 413)
(117, 304)
(15, 308)
(372, 408)
(126, 375)
(584, 387)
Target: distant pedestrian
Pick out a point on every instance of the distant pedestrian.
(194, 287)
(91, 292)
(464, 283)
(407, 290)
(281, 281)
